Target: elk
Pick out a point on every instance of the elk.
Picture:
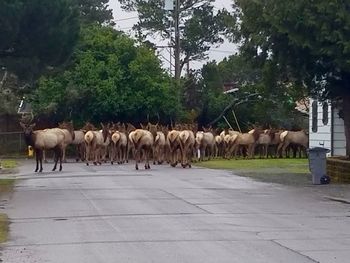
(106, 142)
(129, 128)
(229, 145)
(264, 141)
(142, 141)
(94, 141)
(119, 143)
(159, 143)
(219, 146)
(187, 141)
(40, 140)
(204, 141)
(175, 150)
(69, 136)
(298, 138)
(247, 140)
(79, 143)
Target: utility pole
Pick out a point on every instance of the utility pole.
(174, 5)
(177, 43)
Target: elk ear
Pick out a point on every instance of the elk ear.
(102, 125)
(32, 125)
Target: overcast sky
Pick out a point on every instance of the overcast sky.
(125, 21)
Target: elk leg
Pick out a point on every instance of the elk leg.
(147, 155)
(55, 158)
(44, 156)
(61, 157)
(64, 154)
(41, 161)
(87, 154)
(137, 157)
(37, 159)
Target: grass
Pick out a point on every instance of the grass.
(8, 164)
(6, 186)
(4, 228)
(283, 171)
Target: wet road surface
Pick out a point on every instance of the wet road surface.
(110, 214)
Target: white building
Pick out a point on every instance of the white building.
(326, 128)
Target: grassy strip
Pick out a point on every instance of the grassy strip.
(4, 228)
(8, 164)
(282, 171)
(6, 185)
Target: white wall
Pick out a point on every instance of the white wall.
(321, 138)
(339, 141)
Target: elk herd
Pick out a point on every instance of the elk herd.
(181, 144)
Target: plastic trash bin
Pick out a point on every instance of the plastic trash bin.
(318, 164)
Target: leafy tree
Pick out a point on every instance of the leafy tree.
(95, 11)
(35, 34)
(254, 102)
(306, 42)
(199, 25)
(111, 78)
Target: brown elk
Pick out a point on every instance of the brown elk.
(129, 128)
(229, 145)
(205, 141)
(159, 143)
(248, 141)
(265, 139)
(219, 146)
(40, 140)
(142, 141)
(119, 143)
(79, 143)
(94, 142)
(175, 151)
(299, 138)
(69, 136)
(187, 141)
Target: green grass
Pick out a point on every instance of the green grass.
(6, 181)
(4, 228)
(283, 171)
(8, 164)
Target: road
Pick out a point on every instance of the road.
(110, 214)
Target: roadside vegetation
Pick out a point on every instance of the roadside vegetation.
(6, 187)
(4, 227)
(282, 171)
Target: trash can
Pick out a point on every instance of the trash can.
(30, 151)
(318, 165)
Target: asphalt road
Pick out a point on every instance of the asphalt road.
(112, 214)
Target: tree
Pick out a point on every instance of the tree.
(35, 35)
(256, 101)
(199, 25)
(306, 42)
(110, 79)
(95, 11)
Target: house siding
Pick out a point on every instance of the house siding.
(339, 141)
(323, 137)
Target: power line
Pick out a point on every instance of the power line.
(123, 19)
(222, 51)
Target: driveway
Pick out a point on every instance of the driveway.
(110, 214)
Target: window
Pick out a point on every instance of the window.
(325, 113)
(314, 116)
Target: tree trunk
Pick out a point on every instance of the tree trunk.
(346, 113)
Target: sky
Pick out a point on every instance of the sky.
(125, 21)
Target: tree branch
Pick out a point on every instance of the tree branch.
(231, 105)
